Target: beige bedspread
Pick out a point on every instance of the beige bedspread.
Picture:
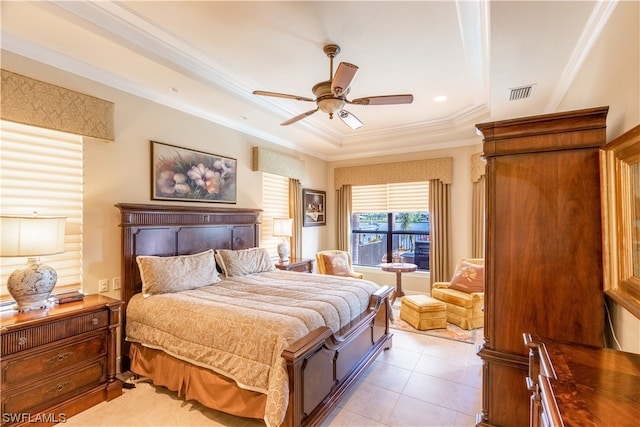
(240, 326)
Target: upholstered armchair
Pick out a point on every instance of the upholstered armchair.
(464, 295)
(336, 263)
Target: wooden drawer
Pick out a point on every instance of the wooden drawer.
(303, 268)
(56, 389)
(300, 265)
(27, 338)
(59, 360)
(20, 369)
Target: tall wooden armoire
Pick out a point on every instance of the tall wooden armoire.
(543, 259)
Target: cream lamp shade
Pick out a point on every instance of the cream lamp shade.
(31, 236)
(283, 227)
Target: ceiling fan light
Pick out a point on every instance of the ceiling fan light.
(349, 119)
(331, 105)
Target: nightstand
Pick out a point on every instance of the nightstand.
(58, 361)
(294, 264)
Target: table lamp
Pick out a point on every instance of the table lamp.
(282, 227)
(31, 236)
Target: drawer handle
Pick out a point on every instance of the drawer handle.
(94, 321)
(22, 341)
(59, 387)
(59, 358)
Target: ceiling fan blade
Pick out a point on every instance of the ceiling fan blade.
(298, 117)
(342, 78)
(349, 119)
(282, 95)
(383, 100)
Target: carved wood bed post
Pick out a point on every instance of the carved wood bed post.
(322, 366)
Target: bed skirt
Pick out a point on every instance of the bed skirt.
(193, 382)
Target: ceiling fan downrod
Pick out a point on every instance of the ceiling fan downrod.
(331, 50)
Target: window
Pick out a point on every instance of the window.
(41, 170)
(390, 223)
(275, 204)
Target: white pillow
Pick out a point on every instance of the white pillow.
(244, 261)
(176, 273)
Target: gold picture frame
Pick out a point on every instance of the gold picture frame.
(620, 177)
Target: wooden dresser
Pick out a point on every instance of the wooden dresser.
(543, 257)
(580, 385)
(59, 361)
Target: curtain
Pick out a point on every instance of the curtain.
(276, 163)
(295, 212)
(35, 103)
(58, 192)
(275, 204)
(440, 219)
(386, 173)
(343, 218)
(478, 168)
(477, 218)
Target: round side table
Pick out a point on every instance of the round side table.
(398, 268)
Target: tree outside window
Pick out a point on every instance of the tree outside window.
(391, 237)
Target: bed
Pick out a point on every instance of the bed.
(314, 361)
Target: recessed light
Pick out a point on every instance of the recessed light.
(440, 98)
(173, 89)
(244, 118)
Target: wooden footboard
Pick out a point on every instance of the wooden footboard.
(322, 365)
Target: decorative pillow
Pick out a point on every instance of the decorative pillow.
(337, 264)
(219, 265)
(244, 261)
(162, 275)
(468, 278)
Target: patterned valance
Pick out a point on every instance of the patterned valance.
(478, 167)
(35, 103)
(265, 160)
(384, 173)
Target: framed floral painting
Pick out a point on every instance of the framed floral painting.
(182, 174)
(314, 208)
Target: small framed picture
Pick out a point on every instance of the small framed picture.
(314, 207)
(186, 175)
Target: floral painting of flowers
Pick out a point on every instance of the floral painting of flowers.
(182, 174)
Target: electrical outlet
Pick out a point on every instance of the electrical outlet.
(116, 283)
(103, 285)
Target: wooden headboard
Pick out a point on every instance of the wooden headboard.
(166, 230)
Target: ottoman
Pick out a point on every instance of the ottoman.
(423, 312)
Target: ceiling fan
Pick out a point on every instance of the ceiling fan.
(331, 95)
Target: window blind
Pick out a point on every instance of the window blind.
(41, 170)
(397, 197)
(275, 204)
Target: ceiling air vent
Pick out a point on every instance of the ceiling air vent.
(521, 92)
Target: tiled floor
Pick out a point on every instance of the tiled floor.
(421, 381)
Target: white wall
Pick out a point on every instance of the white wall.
(611, 76)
